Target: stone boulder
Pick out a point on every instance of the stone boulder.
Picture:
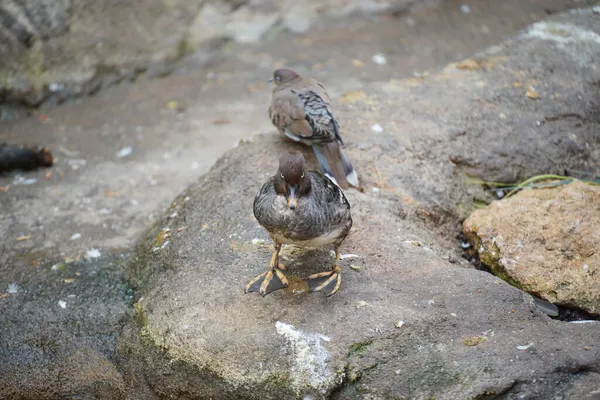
(58, 329)
(407, 324)
(51, 50)
(409, 320)
(545, 242)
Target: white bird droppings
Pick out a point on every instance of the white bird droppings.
(93, 253)
(376, 128)
(310, 358)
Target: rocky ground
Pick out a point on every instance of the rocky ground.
(544, 241)
(124, 154)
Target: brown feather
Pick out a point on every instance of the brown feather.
(287, 111)
(318, 88)
(331, 151)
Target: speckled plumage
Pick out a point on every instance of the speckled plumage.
(323, 211)
(304, 208)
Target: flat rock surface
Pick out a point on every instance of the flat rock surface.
(545, 242)
(409, 323)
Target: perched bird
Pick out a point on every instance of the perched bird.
(300, 109)
(304, 208)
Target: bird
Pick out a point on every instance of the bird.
(303, 208)
(300, 109)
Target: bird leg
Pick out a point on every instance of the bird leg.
(271, 280)
(327, 282)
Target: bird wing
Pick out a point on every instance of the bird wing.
(303, 113)
(331, 192)
(287, 113)
(319, 89)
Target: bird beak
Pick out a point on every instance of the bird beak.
(292, 200)
(271, 79)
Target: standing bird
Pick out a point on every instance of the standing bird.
(304, 208)
(300, 109)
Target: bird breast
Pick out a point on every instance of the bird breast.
(307, 225)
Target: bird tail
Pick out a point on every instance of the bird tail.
(335, 164)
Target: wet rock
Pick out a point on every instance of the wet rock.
(57, 41)
(58, 329)
(545, 242)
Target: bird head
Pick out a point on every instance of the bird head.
(283, 75)
(292, 179)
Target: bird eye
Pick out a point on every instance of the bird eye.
(282, 176)
(277, 78)
(302, 176)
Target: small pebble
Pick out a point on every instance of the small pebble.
(55, 87)
(379, 59)
(524, 347)
(499, 193)
(75, 236)
(13, 288)
(465, 9)
(62, 304)
(399, 324)
(124, 152)
(355, 267)
(376, 128)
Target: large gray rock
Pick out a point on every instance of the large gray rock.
(55, 49)
(59, 328)
(409, 323)
(545, 242)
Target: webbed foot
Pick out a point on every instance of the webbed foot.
(327, 282)
(267, 282)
